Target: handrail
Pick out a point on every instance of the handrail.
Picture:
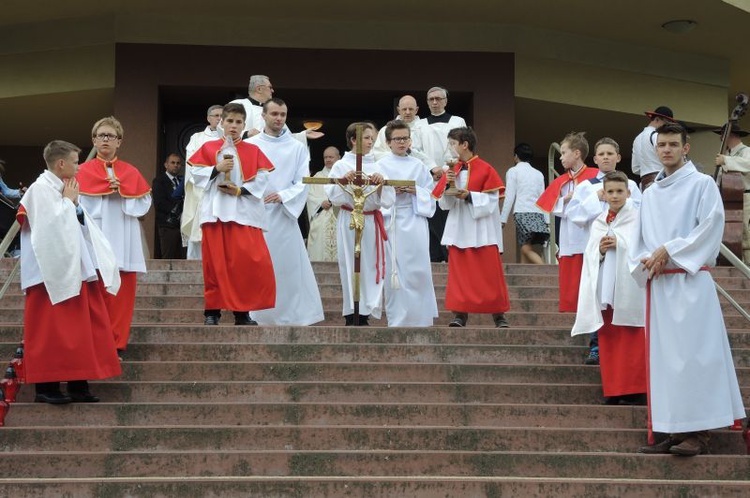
(549, 254)
(731, 300)
(4, 245)
(8, 239)
(735, 261)
(743, 268)
(11, 276)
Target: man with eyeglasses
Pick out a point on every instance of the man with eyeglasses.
(191, 230)
(440, 122)
(116, 194)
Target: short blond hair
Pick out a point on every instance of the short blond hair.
(108, 121)
(56, 150)
(576, 140)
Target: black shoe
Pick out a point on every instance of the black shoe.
(500, 321)
(82, 397)
(458, 321)
(592, 358)
(53, 398)
(211, 320)
(244, 319)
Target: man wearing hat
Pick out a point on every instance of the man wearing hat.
(645, 163)
(737, 158)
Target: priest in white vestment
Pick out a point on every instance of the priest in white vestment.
(692, 380)
(409, 291)
(372, 269)
(297, 296)
(322, 214)
(189, 225)
(421, 136)
(260, 90)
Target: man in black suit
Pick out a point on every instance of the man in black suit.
(167, 193)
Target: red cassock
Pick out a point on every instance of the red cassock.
(623, 358)
(94, 181)
(569, 267)
(70, 340)
(237, 268)
(476, 280)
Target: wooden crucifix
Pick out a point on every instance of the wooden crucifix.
(357, 188)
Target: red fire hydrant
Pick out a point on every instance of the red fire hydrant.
(10, 385)
(18, 365)
(4, 407)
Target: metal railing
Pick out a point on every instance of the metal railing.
(549, 252)
(4, 245)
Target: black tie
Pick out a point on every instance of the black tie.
(175, 182)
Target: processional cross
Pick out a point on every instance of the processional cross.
(357, 188)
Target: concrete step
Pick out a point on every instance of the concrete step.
(208, 438)
(373, 487)
(385, 353)
(117, 391)
(386, 462)
(105, 414)
(545, 299)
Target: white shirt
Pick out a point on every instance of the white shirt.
(645, 160)
(523, 186)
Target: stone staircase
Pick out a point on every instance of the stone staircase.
(339, 411)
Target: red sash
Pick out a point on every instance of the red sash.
(93, 178)
(381, 235)
(547, 200)
(482, 177)
(250, 157)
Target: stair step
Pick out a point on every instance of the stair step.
(339, 392)
(330, 414)
(372, 486)
(210, 438)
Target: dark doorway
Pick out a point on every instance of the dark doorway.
(183, 111)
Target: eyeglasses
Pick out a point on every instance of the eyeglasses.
(400, 140)
(105, 137)
(435, 99)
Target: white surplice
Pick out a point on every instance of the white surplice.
(248, 210)
(118, 219)
(585, 205)
(297, 296)
(409, 291)
(371, 292)
(475, 223)
(693, 383)
(56, 249)
(438, 149)
(191, 209)
(321, 239)
(608, 281)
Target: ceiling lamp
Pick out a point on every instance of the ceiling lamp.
(680, 26)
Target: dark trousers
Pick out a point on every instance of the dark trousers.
(436, 225)
(170, 243)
